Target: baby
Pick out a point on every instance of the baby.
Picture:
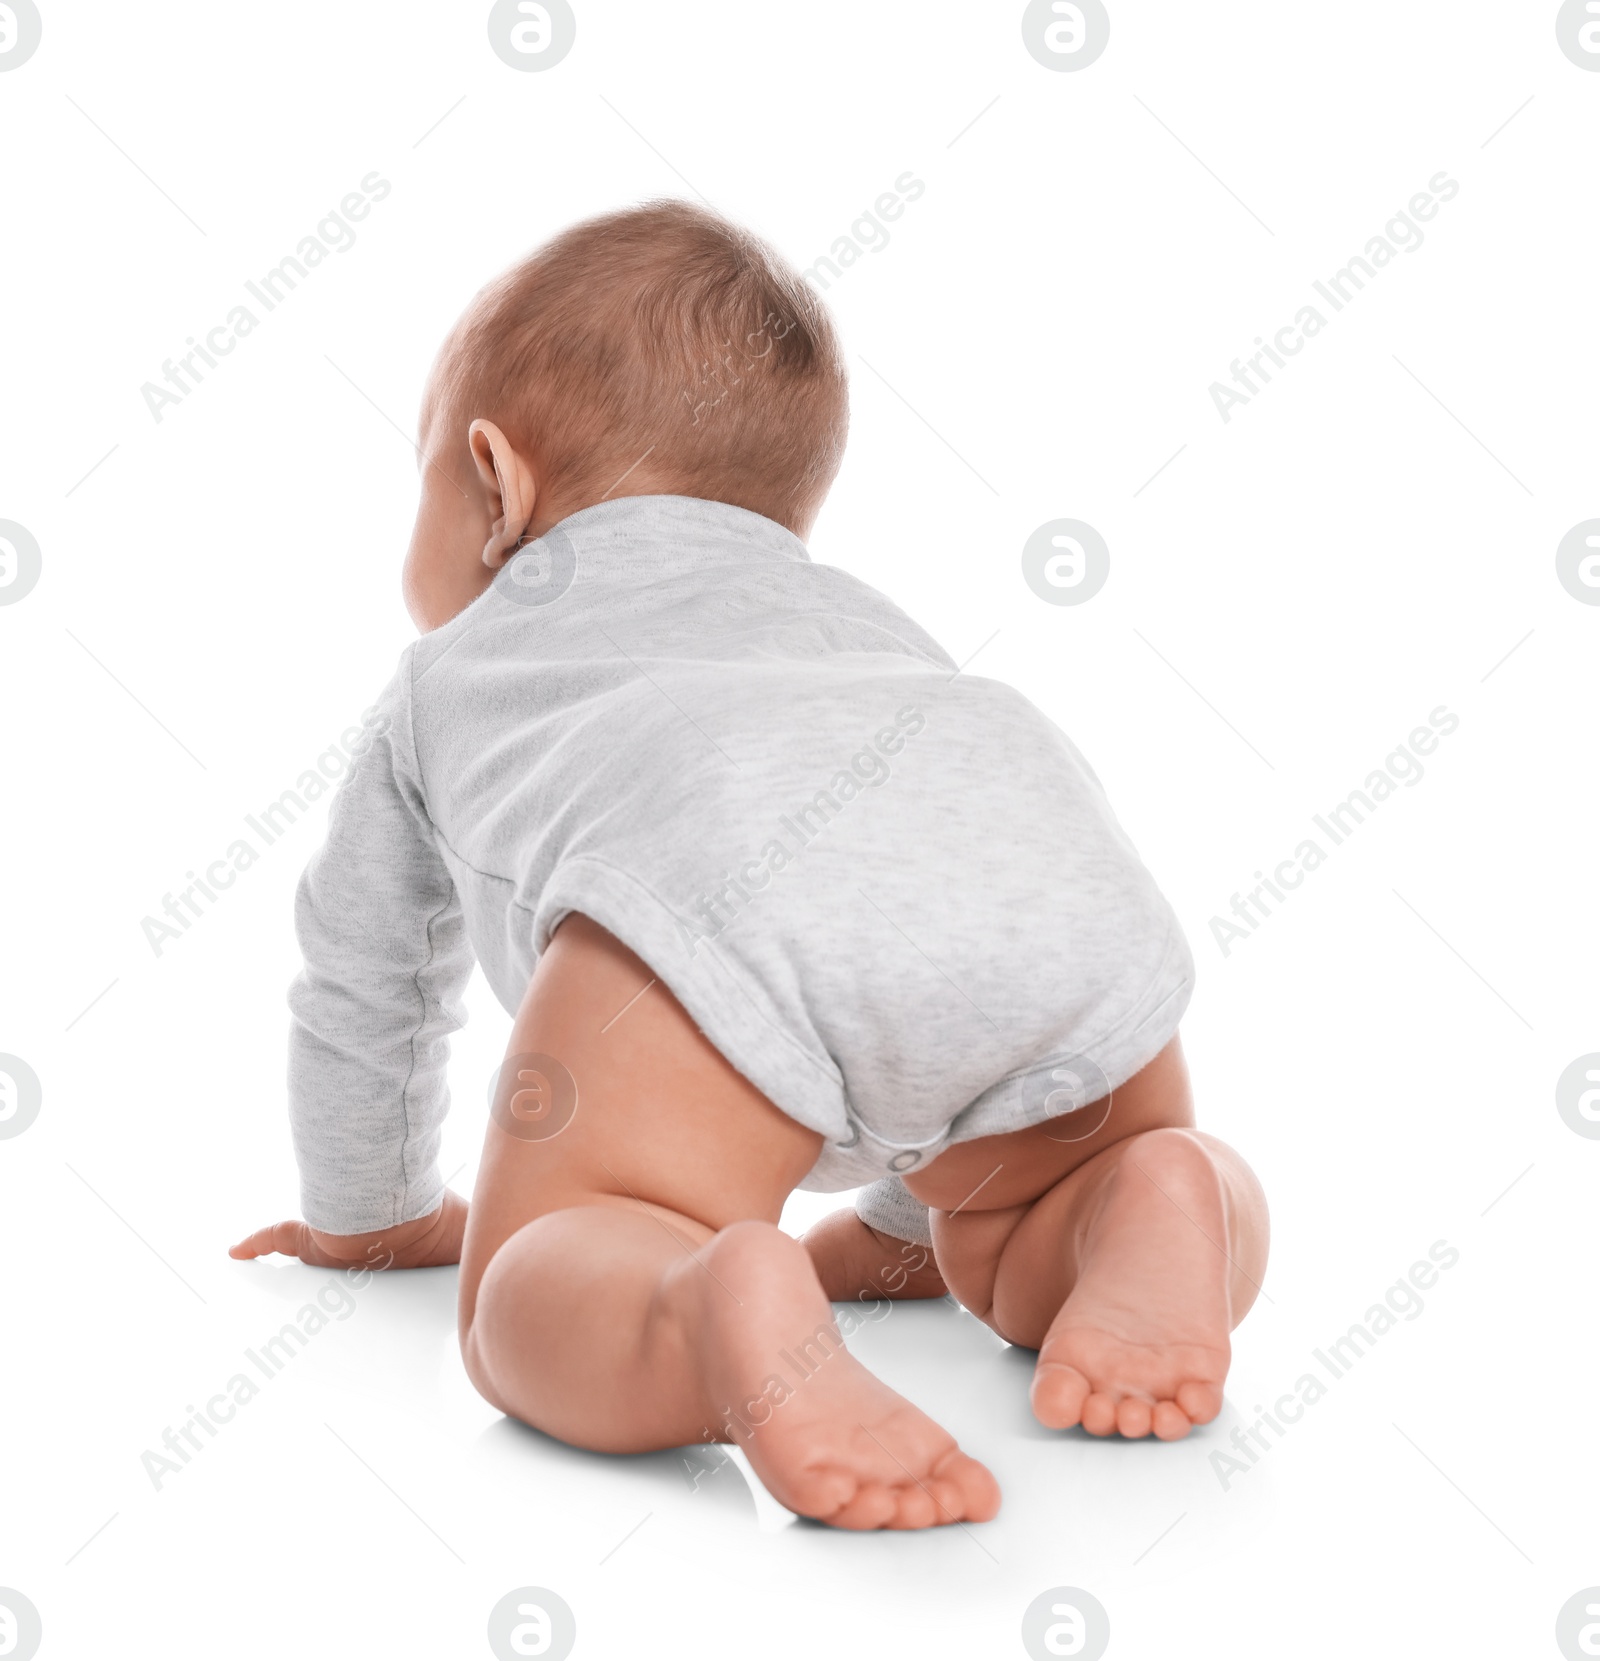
(779, 898)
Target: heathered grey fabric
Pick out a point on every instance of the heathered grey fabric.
(889, 1206)
(893, 896)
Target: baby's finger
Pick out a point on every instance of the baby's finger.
(292, 1239)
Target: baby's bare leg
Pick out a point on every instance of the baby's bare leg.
(1126, 1272)
(1156, 1248)
(856, 1261)
(624, 1283)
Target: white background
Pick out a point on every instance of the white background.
(1365, 541)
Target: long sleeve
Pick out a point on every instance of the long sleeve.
(386, 961)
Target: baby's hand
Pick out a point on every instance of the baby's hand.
(423, 1243)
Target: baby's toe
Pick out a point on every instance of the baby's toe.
(872, 1507)
(1058, 1394)
(1201, 1401)
(820, 1493)
(949, 1502)
(965, 1489)
(1169, 1421)
(1133, 1417)
(1100, 1414)
(914, 1508)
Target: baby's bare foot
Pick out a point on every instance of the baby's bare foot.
(1141, 1344)
(829, 1439)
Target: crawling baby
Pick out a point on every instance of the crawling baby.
(778, 897)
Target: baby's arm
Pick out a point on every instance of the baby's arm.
(386, 960)
(423, 1243)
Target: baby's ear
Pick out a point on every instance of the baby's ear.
(509, 484)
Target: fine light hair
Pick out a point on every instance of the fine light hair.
(664, 342)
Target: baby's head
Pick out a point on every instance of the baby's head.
(655, 351)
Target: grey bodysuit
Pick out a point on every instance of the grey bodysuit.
(893, 896)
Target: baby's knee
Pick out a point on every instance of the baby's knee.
(1178, 1161)
(499, 1303)
(1173, 1143)
(1180, 1157)
(473, 1364)
(748, 1259)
